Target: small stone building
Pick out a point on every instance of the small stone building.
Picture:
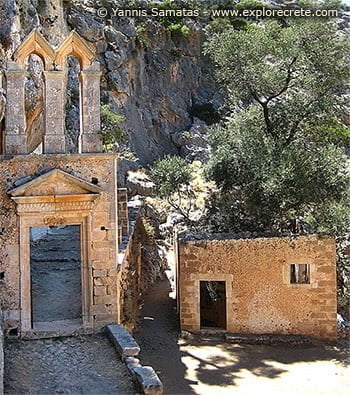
(55, 190)
(274, 285)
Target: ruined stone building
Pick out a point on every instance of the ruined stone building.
(56, 192)
(280, 285)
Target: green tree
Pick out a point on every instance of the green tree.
(172, 176)
(295, 74)
(111, 131)
(279, 161)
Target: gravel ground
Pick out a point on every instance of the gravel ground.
(71, 365)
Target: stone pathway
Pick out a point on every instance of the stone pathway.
(210, 366)
(71, 365)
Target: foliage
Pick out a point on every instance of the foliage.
(179, 29)
(343, 275)
(111, 132)
(267, 187)
(172, 176)
(279, 162)
(173, 24)
(142, 34)
(250, 5)
(325, 4)
(220, 24)
(295, 74)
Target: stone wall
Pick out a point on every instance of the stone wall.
(1, 354)
(123, 220)
(100, 243)
(259, 296)
(130, 277)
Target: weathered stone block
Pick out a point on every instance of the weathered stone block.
(123, 341)
(100, 291)
(148, 380)
(54, 144)
(16, 144)
(108, 299)
(99, 273)
(91, 143)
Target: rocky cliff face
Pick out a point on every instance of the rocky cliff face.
(150, 76)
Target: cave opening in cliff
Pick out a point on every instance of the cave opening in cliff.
(213, 304)
(73, 105)
(34, 102)
(55, 268)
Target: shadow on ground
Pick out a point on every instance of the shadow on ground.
(211, 363)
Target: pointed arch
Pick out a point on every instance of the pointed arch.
(77, 46)
(36, 44)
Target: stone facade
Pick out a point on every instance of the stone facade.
(1, 355)
(55, 81)
(49, 199)
(123, 217)
(260, 298)
(56, 189)
(130, 276)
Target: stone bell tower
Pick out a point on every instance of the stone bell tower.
(55, 75)
(57, 189)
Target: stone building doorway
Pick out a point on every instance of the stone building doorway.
(213, 304)
(55, 269)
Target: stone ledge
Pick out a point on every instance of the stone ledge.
(123, 341)
(145, 376)
(267, 339)
(148, 380)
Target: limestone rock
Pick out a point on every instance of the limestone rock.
(86, 25)
(192, 143)
(138, 183)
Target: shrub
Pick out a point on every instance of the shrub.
(111, 132)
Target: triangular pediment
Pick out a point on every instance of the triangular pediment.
(36, 44)
(76, 46)
(55, 183)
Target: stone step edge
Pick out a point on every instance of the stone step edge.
(267, 339)
(128, 349)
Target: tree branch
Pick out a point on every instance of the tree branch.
(286, 83)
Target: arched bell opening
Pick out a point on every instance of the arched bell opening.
(34, 66)
(73, 104)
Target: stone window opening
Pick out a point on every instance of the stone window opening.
(299, 273)
(34, 94)
(213, 304)
(73, 121)
(12, 332)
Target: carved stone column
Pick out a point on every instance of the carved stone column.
(90, 109)
(54, 139)
(15, 128)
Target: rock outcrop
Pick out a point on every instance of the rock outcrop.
(151, 76)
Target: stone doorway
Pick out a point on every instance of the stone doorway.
(213, 304)
(56, 280)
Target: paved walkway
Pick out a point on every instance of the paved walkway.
(207, 367)
(71, 365)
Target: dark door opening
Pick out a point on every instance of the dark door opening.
(213, 304)
(55, 273)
